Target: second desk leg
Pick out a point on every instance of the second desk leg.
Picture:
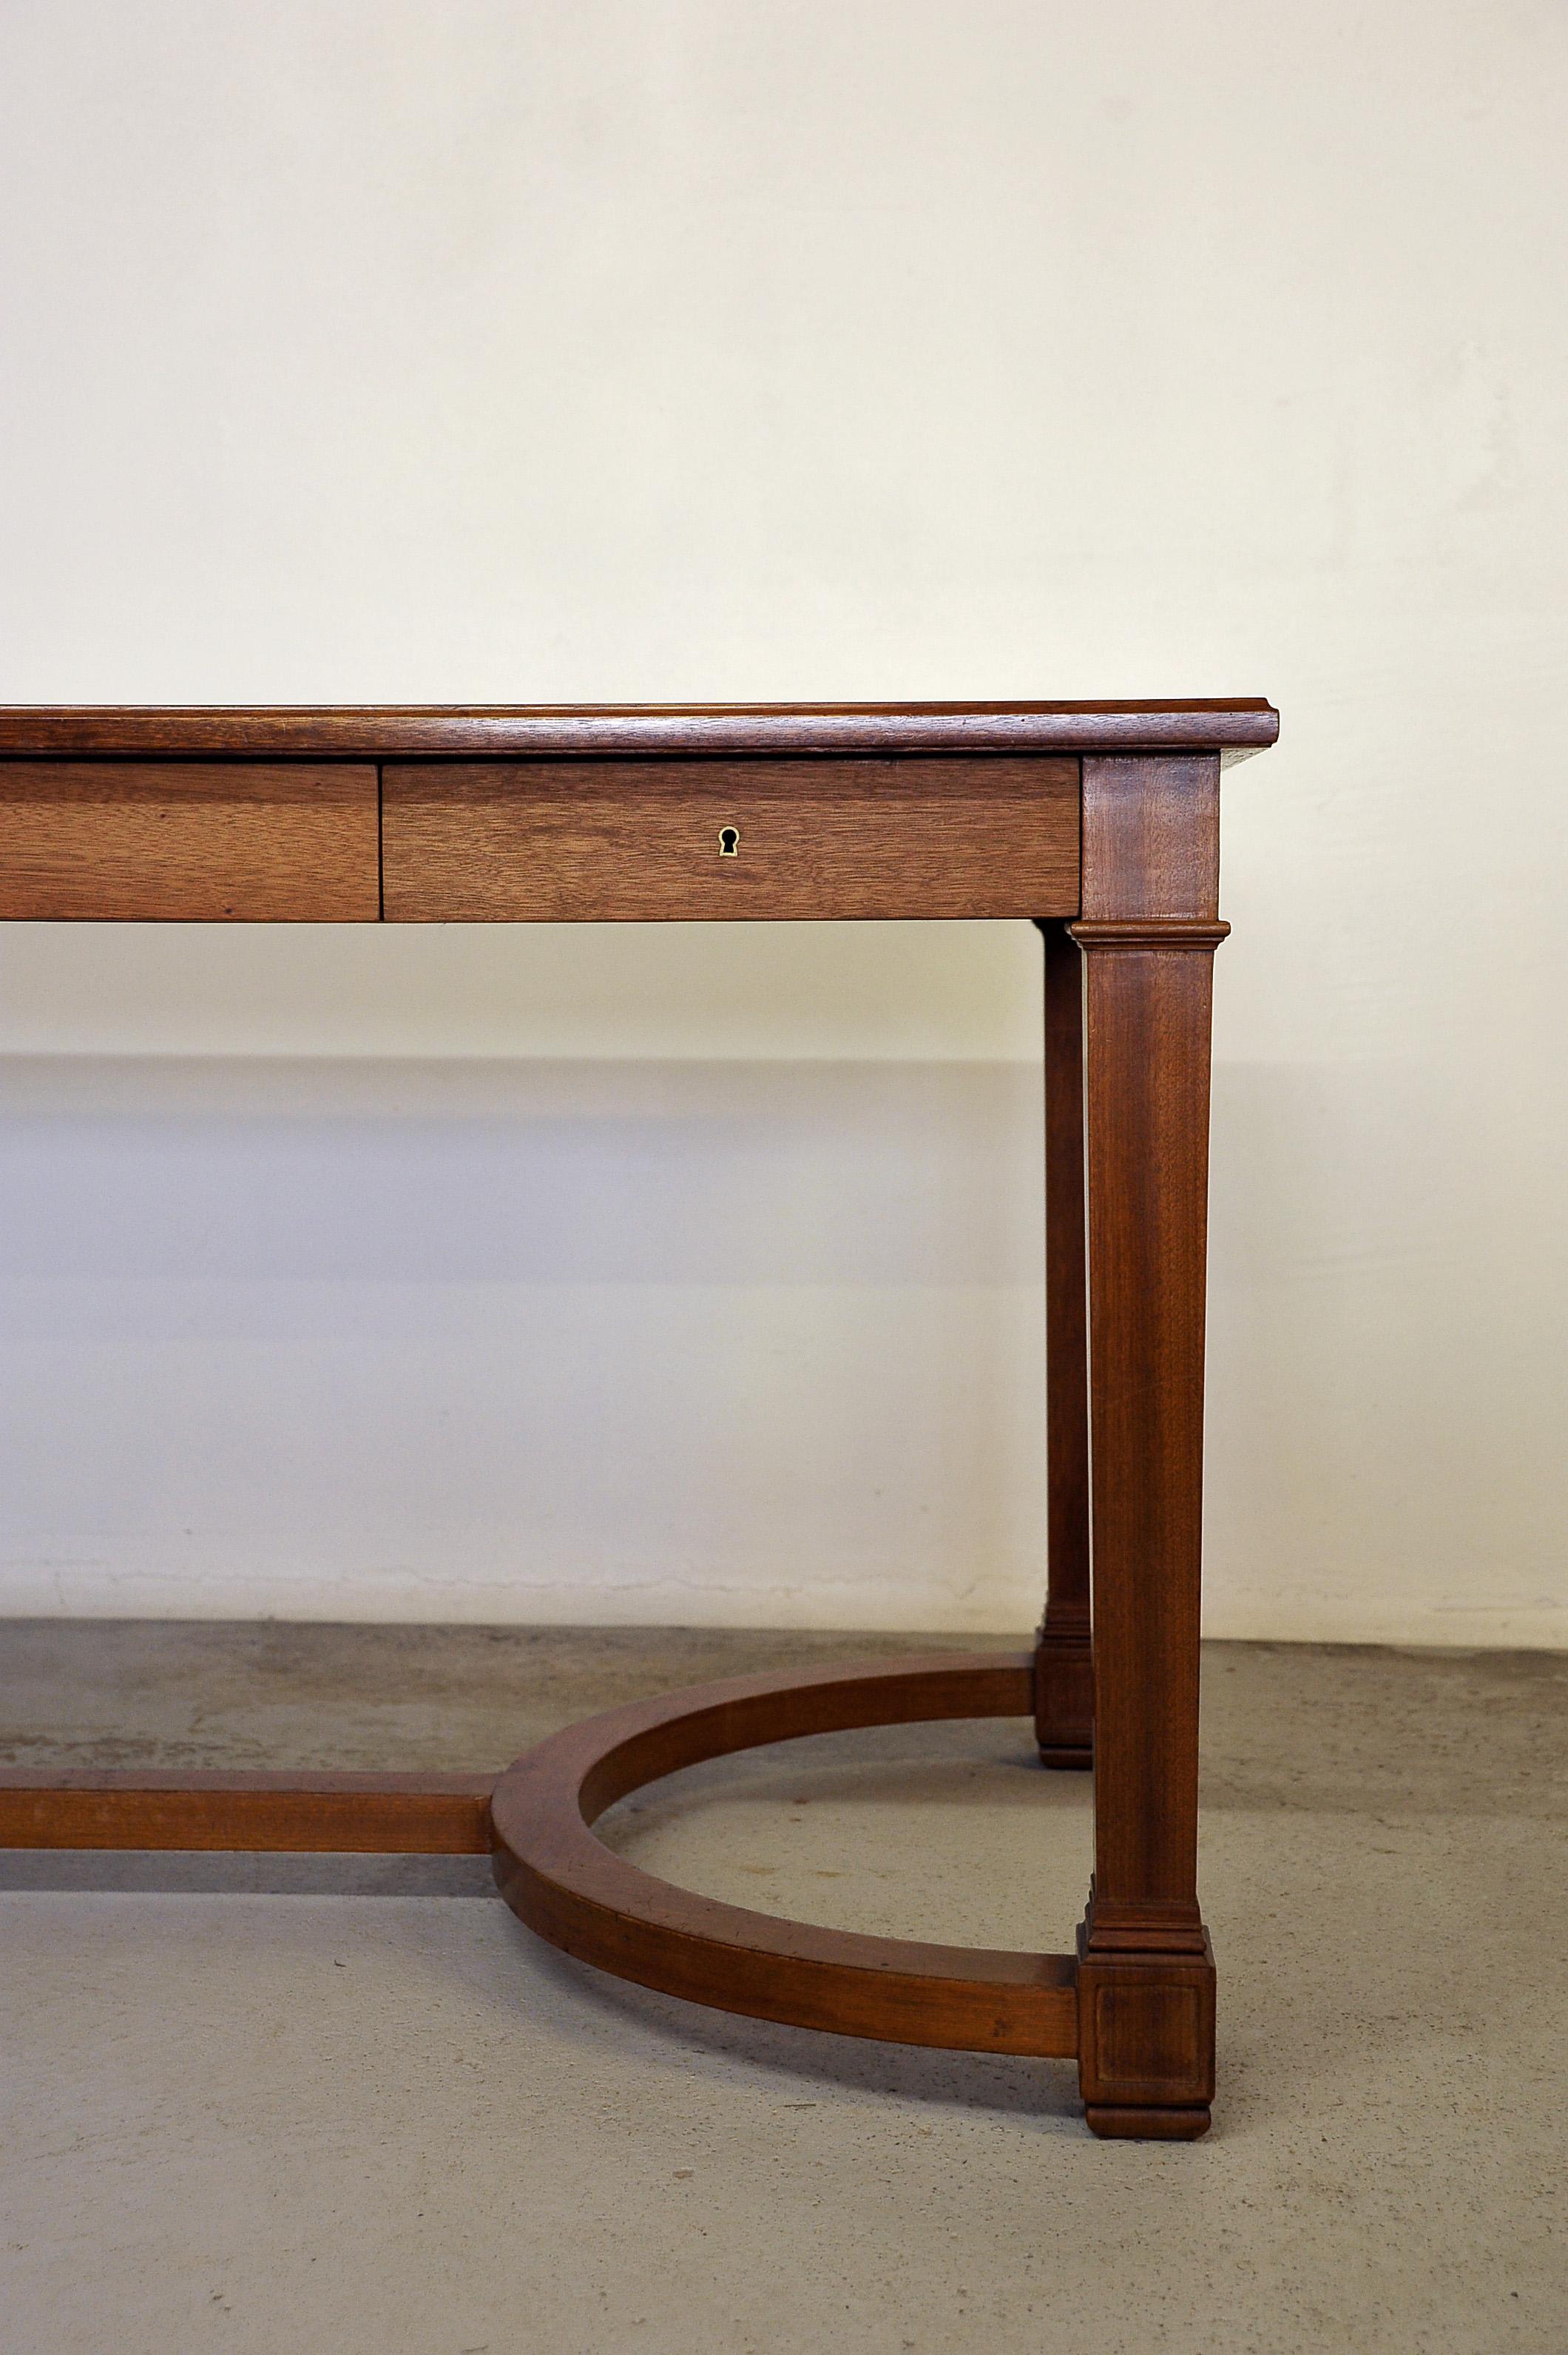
(1063, 1662)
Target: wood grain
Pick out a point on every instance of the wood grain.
(376, 732)
(1151, 838)
(576, 1893)
(343, 1814)
(192, 842)
(608, 841)
(1148, 935)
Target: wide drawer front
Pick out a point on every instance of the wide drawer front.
(187, 841)
(606, 840)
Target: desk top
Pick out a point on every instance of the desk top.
(385, 732)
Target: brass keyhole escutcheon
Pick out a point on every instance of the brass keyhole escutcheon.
(729, 841)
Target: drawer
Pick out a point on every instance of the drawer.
(189, 841)
(558, 841)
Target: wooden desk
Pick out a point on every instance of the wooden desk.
(1097, 822)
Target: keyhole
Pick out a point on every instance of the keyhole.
(729, 841)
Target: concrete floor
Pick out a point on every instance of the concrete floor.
(394, 2122)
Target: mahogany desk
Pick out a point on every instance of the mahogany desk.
(1100, 823)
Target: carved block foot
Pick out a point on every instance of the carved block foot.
(1145, 2021)
(1064, 1701)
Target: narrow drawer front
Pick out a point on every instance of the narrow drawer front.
(185, 841)
(639, 840)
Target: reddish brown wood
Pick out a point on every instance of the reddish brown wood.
(574, 1891)
(1148, 932)
(192, 842)
(145, 1808)
(651, 840)
(1151, 839)
(377, 732)
(1163, 2125)
(168, 814)
(1064, 1676)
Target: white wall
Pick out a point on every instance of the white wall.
(457, 350)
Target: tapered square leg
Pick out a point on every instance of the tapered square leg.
(1148, 931)
(1064, 1676)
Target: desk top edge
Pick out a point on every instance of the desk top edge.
(387, 732)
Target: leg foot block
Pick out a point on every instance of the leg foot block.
(1146, 2027)
(1065, 1700)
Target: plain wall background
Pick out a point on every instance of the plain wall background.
(469, 351)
